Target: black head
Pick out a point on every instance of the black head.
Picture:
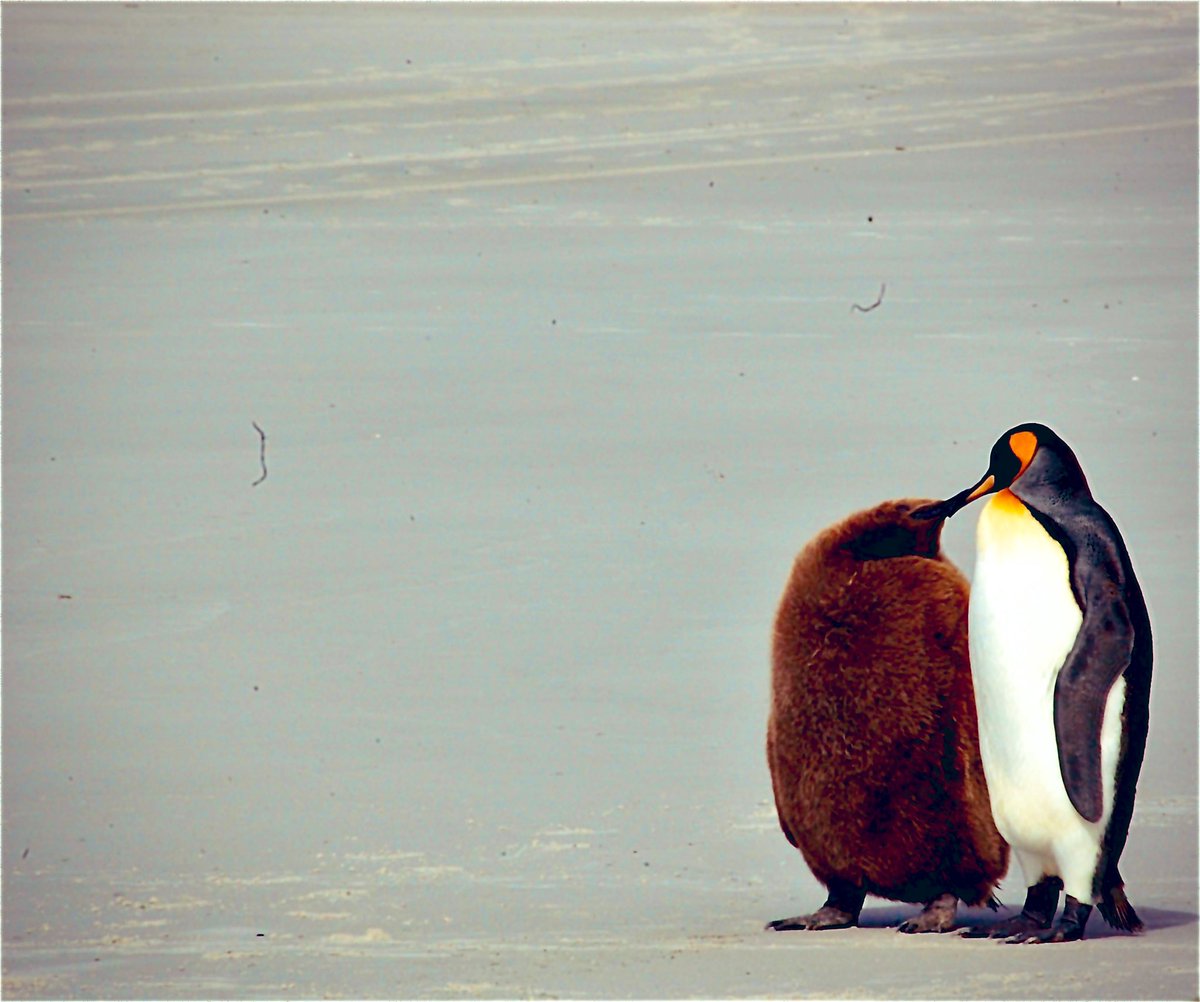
(890, 530)
(1029, 453)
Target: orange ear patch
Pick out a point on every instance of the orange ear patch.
(1024, 445)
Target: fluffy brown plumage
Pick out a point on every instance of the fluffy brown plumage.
(872, 740)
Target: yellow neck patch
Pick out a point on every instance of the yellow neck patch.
(1005, 502)
(1007, 526)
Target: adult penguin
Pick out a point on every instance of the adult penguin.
(1061, 658)
(872, 740)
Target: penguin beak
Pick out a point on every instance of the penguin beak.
(944, 509)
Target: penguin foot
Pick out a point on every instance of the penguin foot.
(937, 916)
(840, 911)
(1041, 902)
(1008, 929)
(1055, 934)
(828, 917)
(1067, 929)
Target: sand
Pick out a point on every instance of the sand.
(546, 315)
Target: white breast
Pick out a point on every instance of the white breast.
(1023, 622)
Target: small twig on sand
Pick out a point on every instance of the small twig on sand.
(868, 309)
(262, 453)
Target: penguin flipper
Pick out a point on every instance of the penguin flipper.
(1101, 654)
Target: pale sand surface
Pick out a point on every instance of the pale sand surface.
(545, 313)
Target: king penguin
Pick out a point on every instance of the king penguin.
(1061, 657)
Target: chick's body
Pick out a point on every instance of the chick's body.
(872, 740)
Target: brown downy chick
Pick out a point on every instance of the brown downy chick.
(872, 739)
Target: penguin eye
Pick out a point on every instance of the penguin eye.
(1023, 444)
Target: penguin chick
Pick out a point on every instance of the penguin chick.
(872, 740)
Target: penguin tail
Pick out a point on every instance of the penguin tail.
(1118, 912)
(994, 903)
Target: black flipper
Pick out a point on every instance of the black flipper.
(1100, 656)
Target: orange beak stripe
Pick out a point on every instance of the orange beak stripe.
(988, 483)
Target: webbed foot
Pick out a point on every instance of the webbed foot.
(1041, 902)
(937, 916)
(1067, 929)
(824, 918)
(1007, 929)
(840, 911)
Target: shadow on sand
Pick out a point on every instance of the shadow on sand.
(888, 917)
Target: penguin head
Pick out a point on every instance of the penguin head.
(1028, 453)
(890, 530)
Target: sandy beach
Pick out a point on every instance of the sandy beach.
(454, 684)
